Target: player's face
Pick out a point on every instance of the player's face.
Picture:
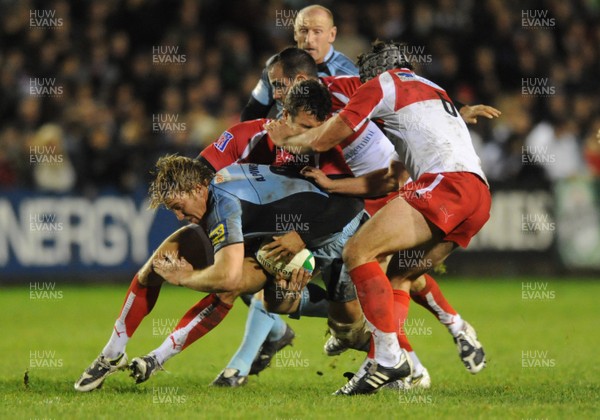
(301, 122)
(280, 84)
(189, 206)
(314, 32)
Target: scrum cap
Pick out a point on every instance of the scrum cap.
(383, 57)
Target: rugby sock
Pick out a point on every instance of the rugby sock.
(432, 299)
(277, 329)
(417, 366)
(197, 322)
(376, 298)
(401, 304)
(139, 301)
(258, 327)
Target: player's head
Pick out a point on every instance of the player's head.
(384, 56)
(307, 105)
(314, 31)
(181, 185)
(289, 66)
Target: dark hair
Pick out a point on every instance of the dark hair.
(309, 96)
(293, 61)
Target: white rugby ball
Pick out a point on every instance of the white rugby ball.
(303, 259)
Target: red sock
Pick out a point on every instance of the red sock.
(375, 295)
(139, 301)
(371, 352)
(437, 303)
(401, 304)
(199, 320)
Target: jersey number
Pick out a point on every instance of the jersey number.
(448, 106)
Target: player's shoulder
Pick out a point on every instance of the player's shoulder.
(344, 82)
(246, 129)
(340, 64)
(240, 133)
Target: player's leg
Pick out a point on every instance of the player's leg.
(347, 323)
(426, 292)
(398, 226)
(266, 333)
(263, 334)
(197, 322)
(190, 242)
(403, 270)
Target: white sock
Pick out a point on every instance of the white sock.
(455, 325)
(172, 345)
(387, 349)
(364, 367)
(417, 366)
(117, 342)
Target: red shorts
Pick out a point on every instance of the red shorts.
(456, 202)
(373, 205)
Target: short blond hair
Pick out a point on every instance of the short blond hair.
(174, 175)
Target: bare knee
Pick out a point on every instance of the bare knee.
(354, 256)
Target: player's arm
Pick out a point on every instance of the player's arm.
(373, 184)
(260, 101)
(366, 102)
(225, 275)
(318, 139)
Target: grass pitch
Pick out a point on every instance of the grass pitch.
(541, 339)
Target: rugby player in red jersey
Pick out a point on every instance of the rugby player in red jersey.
(447, 203)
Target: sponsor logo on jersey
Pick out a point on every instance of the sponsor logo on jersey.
(405, 76)
(222, 142)
(217, 235)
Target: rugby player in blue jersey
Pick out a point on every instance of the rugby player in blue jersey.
(239, 206)
(314, 32)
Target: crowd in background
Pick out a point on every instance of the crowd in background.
(92, 92)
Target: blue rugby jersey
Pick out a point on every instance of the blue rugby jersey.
(249, 200)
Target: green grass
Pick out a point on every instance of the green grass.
(77, 326)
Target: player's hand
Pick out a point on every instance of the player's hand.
(173, 270)
(284, 246)
(292, 288)
(278, 131)
(300, 279)
(318, 176)
(469, 113)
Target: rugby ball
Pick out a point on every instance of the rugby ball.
(303, 259)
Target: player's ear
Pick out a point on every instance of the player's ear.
(332, 34)
(285, 114)
(299, 77)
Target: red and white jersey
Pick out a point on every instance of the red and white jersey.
(420, 120)
(368, 149)
(248, 142)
